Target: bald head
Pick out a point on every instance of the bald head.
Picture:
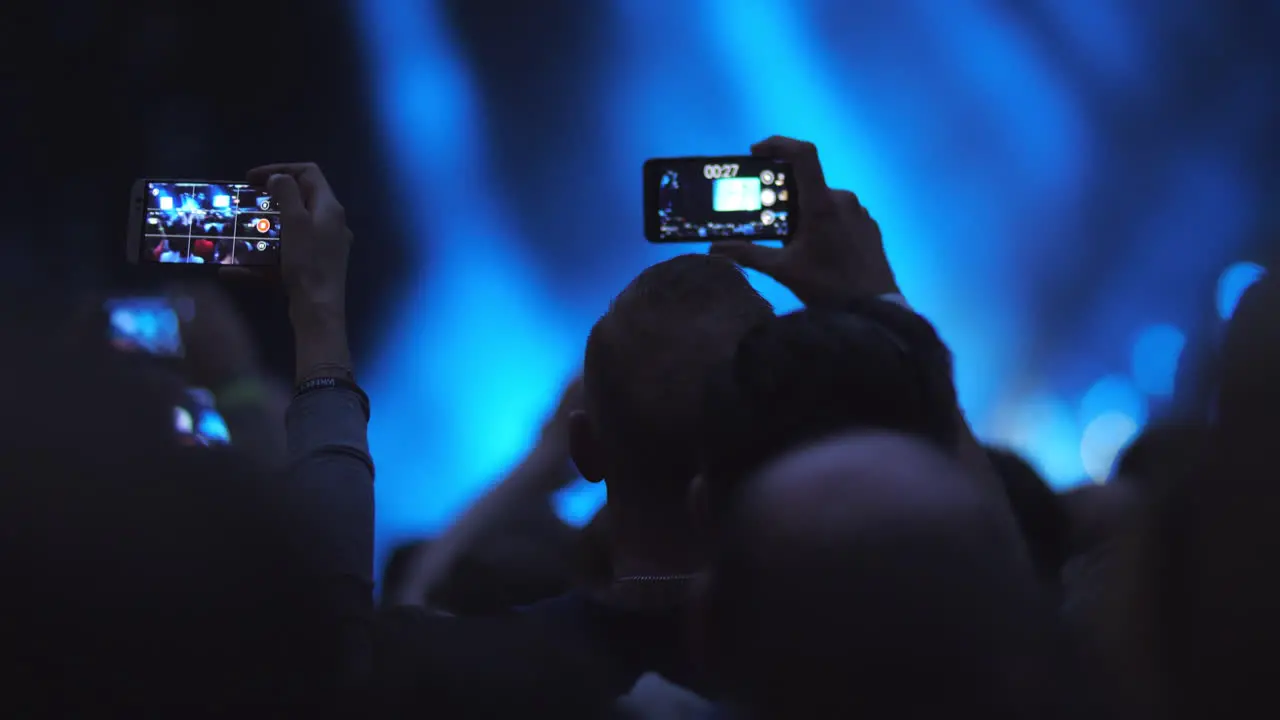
(868, 565)
(864, 483)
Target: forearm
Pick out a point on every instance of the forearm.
(430, 564)
(331, 476)
(331, 473)
(320, 335)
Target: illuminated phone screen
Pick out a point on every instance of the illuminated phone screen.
(209, 223)
(198, 422)
(146, 325)
(701, 199)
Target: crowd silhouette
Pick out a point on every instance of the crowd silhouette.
(800, 522)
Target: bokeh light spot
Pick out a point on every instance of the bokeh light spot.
(1232, 284)
(1113, 394)
(1102, 442)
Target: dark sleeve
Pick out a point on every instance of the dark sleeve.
(330, 492)
(511, 665)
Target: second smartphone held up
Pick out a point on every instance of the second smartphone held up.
(700, 199)
(203, 222)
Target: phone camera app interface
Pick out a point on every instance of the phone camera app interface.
(210, 224)
(746, 198)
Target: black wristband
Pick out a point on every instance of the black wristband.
(330, 383)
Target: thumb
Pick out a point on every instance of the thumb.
(755, 257)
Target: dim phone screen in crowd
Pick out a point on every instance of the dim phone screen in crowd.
(196, 420)
(150, 325)
(203, 222)
(699, 199)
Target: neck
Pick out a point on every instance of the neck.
(653, 542)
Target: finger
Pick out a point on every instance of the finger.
(315, 186)
(259, 175)
(803, 156)
(755, 257)
(847, 200)
(288, 196)
(813, 197)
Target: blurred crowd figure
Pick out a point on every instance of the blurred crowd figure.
(800, 522)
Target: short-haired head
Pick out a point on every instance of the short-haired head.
(808, 374)
(646, 366)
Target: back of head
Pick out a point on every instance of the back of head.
(648, 358)
(863, 577)
(145, 574)
(1039, 513)
(1249, 383)
(808, 374)
(1160, 453)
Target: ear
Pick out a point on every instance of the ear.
(584, 447)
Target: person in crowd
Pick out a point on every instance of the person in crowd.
(815, 372)
(221, 356)
(509, 548)
(1248, 388)
(646, 370)
(1218, 598)
(152, 579)
(835, 262)
(1185, 605)
(1040, 514)
(575, 655)
(204, 248)
(165, 252)
(865, 577)
(1161, 450)
(644, 373)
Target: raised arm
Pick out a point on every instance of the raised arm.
(544, 470)
(330, 471)
(835, 260)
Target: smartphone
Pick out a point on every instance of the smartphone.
(698, 199)
(196, 420)
(202, 222)
(150, 325)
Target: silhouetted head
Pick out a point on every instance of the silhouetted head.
(1249, 383)
(866, 577)
(1160, 453)
(1039, 512)
(808, 374)
(645, 373)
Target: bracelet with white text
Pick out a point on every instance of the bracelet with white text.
(334, 383)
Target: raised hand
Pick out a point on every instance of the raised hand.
(314, 248)
(836, 254)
